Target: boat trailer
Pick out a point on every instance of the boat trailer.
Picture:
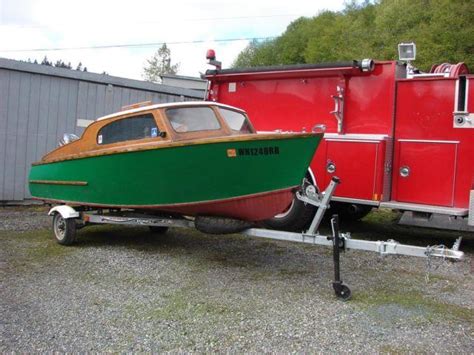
(67, 219)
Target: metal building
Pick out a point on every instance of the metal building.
(38, 104)
(187, 82)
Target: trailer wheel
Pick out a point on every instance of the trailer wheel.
(64, 229)
(220, 225)
(158, 229)
(296, 218)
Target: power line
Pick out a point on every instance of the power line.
(134, 45)
(181, 20)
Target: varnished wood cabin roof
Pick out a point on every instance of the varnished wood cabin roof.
(169, 105)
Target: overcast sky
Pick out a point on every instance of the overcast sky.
(42, 24)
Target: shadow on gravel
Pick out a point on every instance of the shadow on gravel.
(228, 250)
(141, 238)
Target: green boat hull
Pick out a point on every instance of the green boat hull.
(177, 175)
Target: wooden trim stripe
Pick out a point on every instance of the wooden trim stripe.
(59, 182)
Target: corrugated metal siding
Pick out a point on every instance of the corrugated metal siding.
(36, 109)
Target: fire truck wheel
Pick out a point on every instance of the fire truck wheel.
(349, 211)
(296, 218)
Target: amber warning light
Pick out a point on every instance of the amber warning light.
(211, 59)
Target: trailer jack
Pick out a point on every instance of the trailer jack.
(338, 241)
(342, 290)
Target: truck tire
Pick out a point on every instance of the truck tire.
(296, 218)
(349, 211)
(64, 229)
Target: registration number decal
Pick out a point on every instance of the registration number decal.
(232, 153)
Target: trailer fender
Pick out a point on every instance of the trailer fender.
(65, 211)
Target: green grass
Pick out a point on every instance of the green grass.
(421, 308)
(32, 246)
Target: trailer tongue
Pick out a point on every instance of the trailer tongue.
(67, 219)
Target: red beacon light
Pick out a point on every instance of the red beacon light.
(211, 59)
(211, 54)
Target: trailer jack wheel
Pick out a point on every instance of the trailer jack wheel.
(342, 291)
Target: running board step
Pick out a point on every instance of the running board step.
(453, 211)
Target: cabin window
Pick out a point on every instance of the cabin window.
(237, 121)
(192, 119)
(130, 128)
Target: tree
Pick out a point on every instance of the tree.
(46, 62)
(442, 30)
(159, 64)
(257, 54)
(60, 64)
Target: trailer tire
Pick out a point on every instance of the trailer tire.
(295, 219)
(64, 229)
(220, 225)
(350, 211)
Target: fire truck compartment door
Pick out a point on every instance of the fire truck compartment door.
(425, 172)
(359, 165)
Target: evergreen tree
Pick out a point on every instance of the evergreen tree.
(58, 64)
(46, 62)
(159, 64)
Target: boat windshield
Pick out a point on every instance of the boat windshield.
(237, 121)
(192, 119)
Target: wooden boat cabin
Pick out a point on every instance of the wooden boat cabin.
(148, 126)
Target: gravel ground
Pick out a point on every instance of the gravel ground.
(125, 289)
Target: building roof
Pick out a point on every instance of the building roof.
(183, 77)
(97, 78)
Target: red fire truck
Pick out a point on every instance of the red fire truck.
(396, 137)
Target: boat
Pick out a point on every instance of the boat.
(188, 158)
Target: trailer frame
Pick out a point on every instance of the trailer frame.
(67, 219)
